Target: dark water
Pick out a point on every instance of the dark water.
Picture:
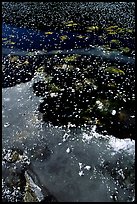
(81, 165)
(30, 40)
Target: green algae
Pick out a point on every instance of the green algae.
(71, 58)
(53, 88)
(49, 33)
(125, 50)
(93, 28)
(114, 70)
(70, 24)
(80, 36)
(41, 69)
(63, 37)
(115, 41)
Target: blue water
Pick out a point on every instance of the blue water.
(28, 39)
(31, 40)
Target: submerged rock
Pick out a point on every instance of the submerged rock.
(18, 184)
(85, 94)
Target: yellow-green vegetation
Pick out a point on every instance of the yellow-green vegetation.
(9, 42)
(41, 69)
(48, 33)
(114, 70)
(115, 41)
(80, 36)
(71, 58)
(102, 37)
(98, 122)
(14, 156)
(92, 28)
(112, 85)
(129, 30)
(4, 38)
(12, 43)
(26, 62)
(112, 30)
(125, 50)
(86, 119)
(47, 79)
(70, 24)
(14, 58)
(29, 195)
(120, 30)
(53, 88)
(19, 63)
(88, 81)
(89, 110)
(63, 37)
(106, 47)
(112, 27)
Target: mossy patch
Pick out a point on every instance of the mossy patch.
(120, 30)
(130, 30)
(49, 33)
(114, 27)
(114, 70)
(41, 69)
(112, 32)
(71, 24)
(125, 50)
(14, 58)
(115, 41)
(92, 28)
(112, 85)
(53, 88)
(80, 36)
(4, 39)
(48, 79)
(71, 58)
(12, 43)
(63, 37)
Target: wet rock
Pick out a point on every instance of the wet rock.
(17, 182)
(81, 94)
(32, 191)
(13, 168)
